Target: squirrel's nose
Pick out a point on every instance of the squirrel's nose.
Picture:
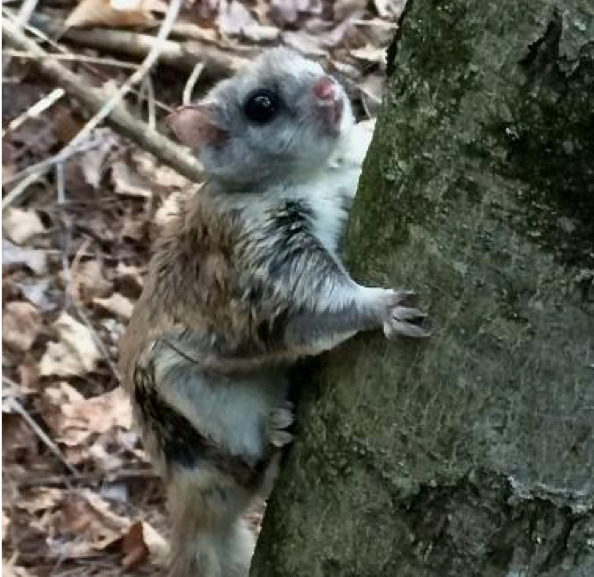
(325, 88)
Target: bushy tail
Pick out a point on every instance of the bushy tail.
(210, 536)
(225, 553)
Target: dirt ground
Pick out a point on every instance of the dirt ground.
(79, 497)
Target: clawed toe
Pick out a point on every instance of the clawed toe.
(404, 321)
(281, 418)
(280, 438)
(407, 314)
(396, 328)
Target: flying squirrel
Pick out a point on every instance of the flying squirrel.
(244, 280)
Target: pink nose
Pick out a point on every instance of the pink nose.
(325, 88)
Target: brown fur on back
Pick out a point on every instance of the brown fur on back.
(191, 282)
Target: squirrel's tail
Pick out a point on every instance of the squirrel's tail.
(210, 536)
(225, 553)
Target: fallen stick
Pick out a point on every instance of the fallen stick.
(182, 55)
(93, 99)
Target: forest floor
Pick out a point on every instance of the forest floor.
(79, 497)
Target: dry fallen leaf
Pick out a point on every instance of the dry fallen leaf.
(130, 278)
(75, 353)
(9, 570)
(234, 19)
(89, 281)
(5, 528)
(134, 547)
(389, 8)
(82, 525)
(19, 442)
(94, 162)
(309, 44)
(373, 88)
(116, 304)
(13, 255)
(134, 229)
(20, 225)
(127, 181)
(36, 292)
(158, 173)
(74, 422)
(345, 8)
(40, 499)
(116, 13)
(21, 325)
(61, 394)
(288, 11)
(139, 542)
(370, 54)
(102, 453)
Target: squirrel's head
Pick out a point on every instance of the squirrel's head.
(282, 116)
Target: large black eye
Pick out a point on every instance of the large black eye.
(261, 106)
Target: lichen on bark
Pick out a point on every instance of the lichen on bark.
(471, 453)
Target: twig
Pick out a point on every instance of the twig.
(72, 295)
(94, 100)
(20, 188)
(86, 478)
(77, 58)
(27, 9)
(189, 31)
(183, 55)
(192, 79)
(86, 61)
(46, 164)
(11, 403)
(33, 173)
(150, 101)
(66, 239)
(40, 106)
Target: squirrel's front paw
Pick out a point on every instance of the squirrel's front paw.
(280, 419)
(402, 321)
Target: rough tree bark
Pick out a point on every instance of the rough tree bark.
(471, 453)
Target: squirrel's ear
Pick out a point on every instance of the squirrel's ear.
(195, 126)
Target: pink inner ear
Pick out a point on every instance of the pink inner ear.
(194, 126)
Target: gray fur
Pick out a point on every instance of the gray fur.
(292, 146)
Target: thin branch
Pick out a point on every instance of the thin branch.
(182, 55)
(45, 165)
(86, 62)
(40, 106)
(35, 172)
(27, 9)
(25, 482)
(192, 79)
(77, 58)
(22, 18)
(72, 296)
(12, 404)
(150, 100)
(20, 188)
(94, 100)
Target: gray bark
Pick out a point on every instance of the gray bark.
(471, 453)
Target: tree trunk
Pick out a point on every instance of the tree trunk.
(471, 453)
